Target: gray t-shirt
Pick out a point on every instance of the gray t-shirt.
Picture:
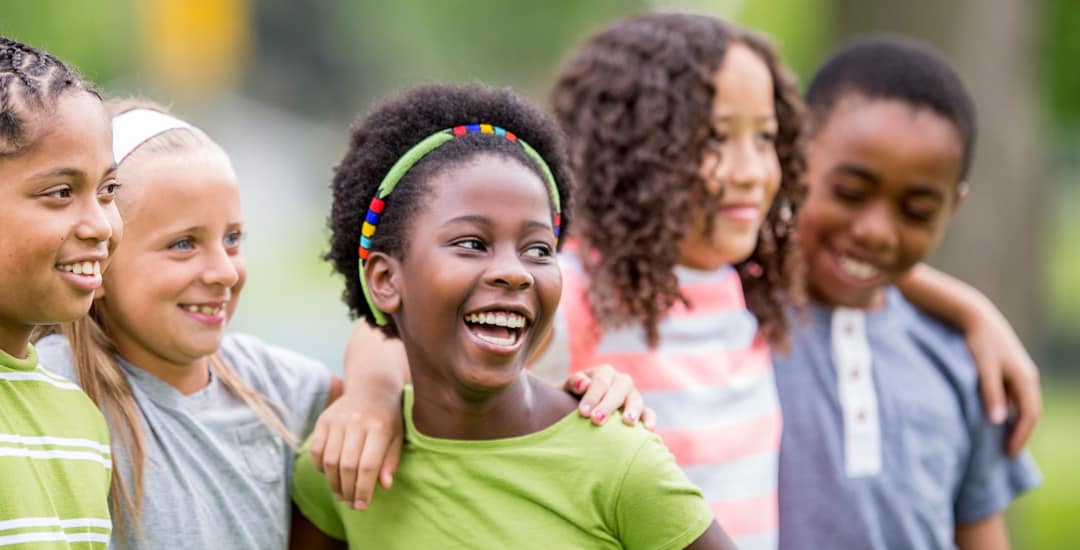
(885, 444)
(215, 476)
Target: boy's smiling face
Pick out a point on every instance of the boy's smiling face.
(479, 283)
(883, 183)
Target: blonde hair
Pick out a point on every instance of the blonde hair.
(100, 374)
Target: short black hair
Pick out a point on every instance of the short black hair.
(31, 81)
(883, 66)
(392, 128)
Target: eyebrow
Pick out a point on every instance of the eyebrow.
(59, 172)
(874, 179)
(759, 118)
(859, 172)
(480, 220)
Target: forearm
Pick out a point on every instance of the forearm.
(945, 297)
(986, 534)
(373, 362)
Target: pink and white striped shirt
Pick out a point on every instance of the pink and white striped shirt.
(710, 380)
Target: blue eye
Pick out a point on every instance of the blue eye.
(233, 239)
(186, 243)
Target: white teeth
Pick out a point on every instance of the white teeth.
(507, 319)
(97, 268)
(77, 269)
(88, 267)
(508, 341)
(858, 269)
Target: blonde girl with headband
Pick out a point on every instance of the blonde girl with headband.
(57, 216)
(203, 422)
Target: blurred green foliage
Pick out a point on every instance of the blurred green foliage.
(96, 37)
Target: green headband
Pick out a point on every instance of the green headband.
(407, 161)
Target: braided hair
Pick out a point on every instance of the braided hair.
(31, 81)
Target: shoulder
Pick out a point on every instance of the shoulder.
(54, 355)
(254, 359)
(931, 337)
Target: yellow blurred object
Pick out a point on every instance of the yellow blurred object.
(193, 48)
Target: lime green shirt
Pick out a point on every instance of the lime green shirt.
(55, 464)
(572, 485)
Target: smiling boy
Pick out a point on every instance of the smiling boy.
(885, 444)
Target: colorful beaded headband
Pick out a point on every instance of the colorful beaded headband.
(408, 160)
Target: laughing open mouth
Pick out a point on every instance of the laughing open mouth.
(501, 328)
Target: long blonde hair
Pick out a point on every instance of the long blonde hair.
(103, 379)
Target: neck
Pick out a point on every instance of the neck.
(449, 410)
(187, 378)
(14, 339)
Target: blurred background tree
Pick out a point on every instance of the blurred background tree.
(277, 83)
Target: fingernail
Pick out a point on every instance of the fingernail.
(359, 505)
(630, 418)
(997, 416)
(580, 382)
(585, 409)
(599, 417)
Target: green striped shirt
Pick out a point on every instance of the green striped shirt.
(55, 464)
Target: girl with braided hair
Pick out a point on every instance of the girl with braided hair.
(57, 222)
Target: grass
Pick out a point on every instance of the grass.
(1049, 517)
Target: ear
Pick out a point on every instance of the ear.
(383, 274)
(961, 193)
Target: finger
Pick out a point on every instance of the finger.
(331, 458)
(992, 391)
(354, 441)
(371, 460)
(390, 464)
(599, 383)
(648, 418)
(1028, 408)
(318, 442)
(620, 389)
(632, 407)
(576, 383)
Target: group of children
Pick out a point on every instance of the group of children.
(728, 250)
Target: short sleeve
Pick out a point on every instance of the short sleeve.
(992, 480)
(312, 495)
(657, 507)
(54, 355)
(299, 383)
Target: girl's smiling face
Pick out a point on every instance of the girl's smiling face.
(177, 274)
(479, 282)
(56, 203)
(741, 165)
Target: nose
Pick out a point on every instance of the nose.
(507, 271)
(97, 222)
(747, 163)
(220, 267)
(874, 229)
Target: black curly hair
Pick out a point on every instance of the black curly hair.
(885, 66)
(391, 129)
(31, 81)
(635, 102)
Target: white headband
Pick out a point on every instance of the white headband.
(132, 128)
